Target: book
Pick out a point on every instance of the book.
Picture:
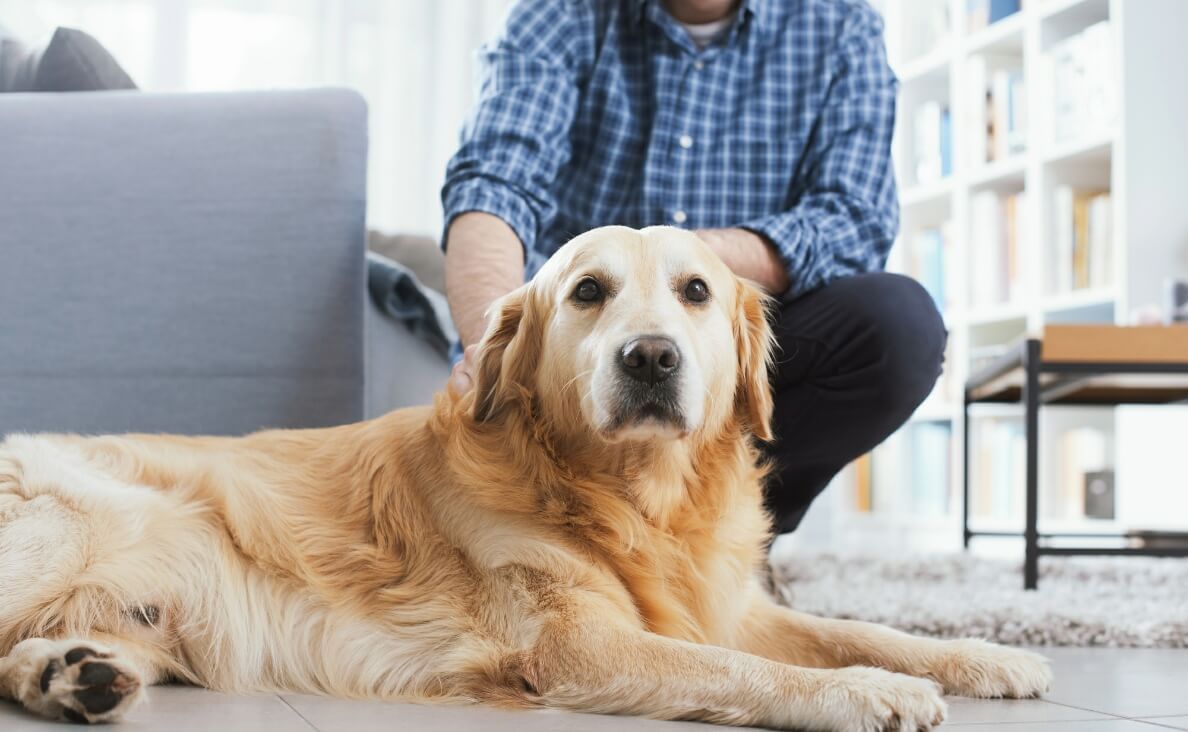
(981, 13)
(996, 229)
(998, 471)
(931, 468)
(862, 484)
(1084, 83)
(997, 107)
(1081, 252)
(928, 262)
(930, 126)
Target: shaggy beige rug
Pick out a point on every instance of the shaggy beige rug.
(1081, 601)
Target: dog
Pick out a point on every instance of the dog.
(582, 530)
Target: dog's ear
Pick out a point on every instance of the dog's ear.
(503, 365)
(754, 341)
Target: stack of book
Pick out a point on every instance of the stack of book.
(927, 259)
(998, 109)
(910, 473)
(996, 225)
(981, 13)
(999, 462)
(1084, 83)
(1082, 241)
(934, 142)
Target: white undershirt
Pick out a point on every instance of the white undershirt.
(704, 34)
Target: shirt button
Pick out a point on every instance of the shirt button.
(698, 65)
(679, 216)
(686, 141)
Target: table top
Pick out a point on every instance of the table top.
(1092, 365)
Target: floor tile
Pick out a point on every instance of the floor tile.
(1121, 682)
(1102, 725)
(1172, 722)
(182, 709)
(335, 715)
(984, 711)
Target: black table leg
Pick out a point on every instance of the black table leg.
(1031, 404)
(965, 491)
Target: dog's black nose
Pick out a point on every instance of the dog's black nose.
(650, 359)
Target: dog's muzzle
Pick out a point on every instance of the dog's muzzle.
(649, 389)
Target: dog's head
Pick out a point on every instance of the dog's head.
(630, 335)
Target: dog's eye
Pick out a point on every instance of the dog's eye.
(588, 290)
(696, 291)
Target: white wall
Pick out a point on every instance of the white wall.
(411, 59)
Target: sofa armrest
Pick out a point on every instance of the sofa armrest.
(402, 369)
(181, 262)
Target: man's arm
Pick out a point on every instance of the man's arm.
(845, 212)
(484, 262)
(498, 193)
(749, 255)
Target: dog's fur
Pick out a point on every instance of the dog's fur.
(528, 543)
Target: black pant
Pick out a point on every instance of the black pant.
(854, 360)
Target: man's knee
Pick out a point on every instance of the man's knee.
(900, 333)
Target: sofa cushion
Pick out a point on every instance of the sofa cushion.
(18, 63)
(75, 61)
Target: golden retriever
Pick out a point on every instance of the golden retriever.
(583, 530)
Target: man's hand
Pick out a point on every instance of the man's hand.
(749, 255)
(484, 261)
(462, 375)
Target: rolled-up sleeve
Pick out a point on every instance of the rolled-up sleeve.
(844, 212)
(517, 137)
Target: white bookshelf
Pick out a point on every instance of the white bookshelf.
(1141, 159)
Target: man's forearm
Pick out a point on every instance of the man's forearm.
(484, 261)
(749, 255)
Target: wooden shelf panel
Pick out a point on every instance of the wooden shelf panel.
(1156, 344)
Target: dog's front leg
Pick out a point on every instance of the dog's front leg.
(964, 667)
(595, 668)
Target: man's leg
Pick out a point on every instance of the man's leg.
(855, 359)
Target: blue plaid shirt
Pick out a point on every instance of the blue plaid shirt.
(595, 112)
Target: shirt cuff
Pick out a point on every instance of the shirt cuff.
(784, 232)
(488, 196)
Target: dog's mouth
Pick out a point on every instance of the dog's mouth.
(655, 412)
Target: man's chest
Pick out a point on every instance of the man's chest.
(648, 107)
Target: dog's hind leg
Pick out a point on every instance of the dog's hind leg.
(71, 680)
(79, 630)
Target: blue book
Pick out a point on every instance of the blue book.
(930, 264)
(1000, 9)
(946, 143)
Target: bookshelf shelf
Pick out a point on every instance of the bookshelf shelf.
(1000, 175)
(927, 195)
(1005, 36)
(1073, 13)
(995, 411)
(995, 314)
(1081, 191)
(934, 413)
(1093, 149)
(1080, 300)
(933, 66)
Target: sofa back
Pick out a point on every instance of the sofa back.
(181, 263)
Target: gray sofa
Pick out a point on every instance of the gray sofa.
(191, 263)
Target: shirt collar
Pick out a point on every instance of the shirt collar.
(758, 13)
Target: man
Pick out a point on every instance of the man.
(764, 125)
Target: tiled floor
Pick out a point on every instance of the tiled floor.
(1096, 690)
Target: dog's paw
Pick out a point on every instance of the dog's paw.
(76, 681)
(985, 670)
(873, 700)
